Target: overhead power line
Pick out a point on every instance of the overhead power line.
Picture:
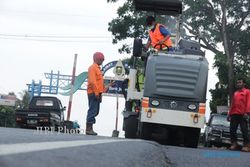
(51, 40)
(59, 38)
(53, 36)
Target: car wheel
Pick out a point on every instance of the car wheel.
(207, 144)
(218, 145)
(191, 137)
(53, 126)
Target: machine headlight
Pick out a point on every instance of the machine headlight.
(155, 103)
(192, 106)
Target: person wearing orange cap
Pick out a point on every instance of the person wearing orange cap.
(95, 89)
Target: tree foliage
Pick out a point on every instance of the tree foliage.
(7, 116)
(219, 97)
(7, 113)
(221, 22)
(24, 101)
(220, 93)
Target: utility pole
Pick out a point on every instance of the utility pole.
(72, 86)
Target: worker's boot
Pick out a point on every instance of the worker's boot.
(89, 129)
(234, 146)
(246, 147)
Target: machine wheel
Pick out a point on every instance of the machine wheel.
(191, 137)
(145, 131)
(130, 127)
(137, 47)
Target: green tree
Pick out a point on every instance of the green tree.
(220, 93)
(241, 69)
(7, 115)
(24, 101)
(220, 22)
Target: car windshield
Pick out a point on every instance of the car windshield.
(220, 120)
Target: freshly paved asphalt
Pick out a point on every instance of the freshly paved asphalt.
(31, 148)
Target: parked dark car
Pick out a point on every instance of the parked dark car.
(217, 132)
(42, 111)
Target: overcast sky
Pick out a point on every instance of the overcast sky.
(27, 49)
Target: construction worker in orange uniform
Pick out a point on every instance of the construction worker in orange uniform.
(95, 89)
(159, 36)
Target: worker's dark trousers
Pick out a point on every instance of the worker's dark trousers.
(94, 106)
(237, 120)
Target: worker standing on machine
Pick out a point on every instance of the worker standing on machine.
(159, 36)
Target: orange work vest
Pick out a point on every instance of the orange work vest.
(156, 36)
(95, 80)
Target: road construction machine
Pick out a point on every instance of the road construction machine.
(166, 99)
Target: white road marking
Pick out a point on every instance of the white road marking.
(9, 149)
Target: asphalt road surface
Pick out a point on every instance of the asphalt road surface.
(206, 157)
(31, 148)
